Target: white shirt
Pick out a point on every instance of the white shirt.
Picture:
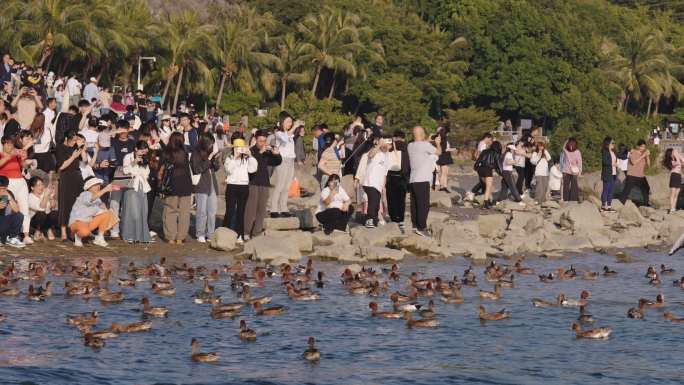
(508, 162)
(337, 202)
(238, 170)
(42, 144)
(376, 171)
(422, 157)
(90, 136)
(139, 174)
(519, 160)
(286, 144)
(555, 176)
(73, 86)
(542, 162)
(90, 92)
(34, 204)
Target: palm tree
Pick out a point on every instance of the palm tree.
(289, 65)
(188, 41)
(332, 38)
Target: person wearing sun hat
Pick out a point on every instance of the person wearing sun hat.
(238, 167)
(89, 213)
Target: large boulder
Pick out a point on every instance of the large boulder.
(347, 183)
(629, 214)
(493, 225)
(379, 236)
(382, 254)
(440, 199)
(291, 223)
(269, 248)
(590, 184)
(307, 217)
(302, 239)
(223, 239)
(529, 222)
(335, 238)
(456, 232)
(306, 180)
(584, 216)
(422, 246)
(671, 227)
(660, 190)
(436, 219)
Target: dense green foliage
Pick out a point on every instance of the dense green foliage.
(584, 68)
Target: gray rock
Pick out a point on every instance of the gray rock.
(336, 253)
(549, 204)
(493, 225)
(529, 222)
(584, 216)
(423, 246)
(440, 199)
(268, 248)
(223, 239)
(306, 179)
(382, 254)
(302, 239)
(435, 218)
(334, 238)
(307, 218)
(379, 236)
(291, 223)
(629, 214)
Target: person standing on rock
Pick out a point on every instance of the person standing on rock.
(334, 208)
(255, 211)
(507, 184)
(283, 174)
(374, 178)
(487, 162)
(397, 179)
(484, 144)
(422, 157)
(238, 167)
(541, 159)
(572, 169)
(608, 173)
(672, 161)
(639, 158)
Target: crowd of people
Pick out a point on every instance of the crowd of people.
(79, 160)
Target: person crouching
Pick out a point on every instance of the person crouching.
(89, 213)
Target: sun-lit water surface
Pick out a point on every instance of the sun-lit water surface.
(535, 346)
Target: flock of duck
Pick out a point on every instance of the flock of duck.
(90, 280)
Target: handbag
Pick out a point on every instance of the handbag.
(395, 160)
(195, 178)
(166, 187)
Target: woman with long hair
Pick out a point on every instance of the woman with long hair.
(204, 162)
(238, 167)
(444, 159)
(541, 160)
(334, 208)
(487, 162)
(572, 169)
(43, 137)
(42, 209)
(178, 193)
(70, 178)
(14, 153)
(284, 172)
(134, 208)
(608, 172)
(507, 183)
(673, 162)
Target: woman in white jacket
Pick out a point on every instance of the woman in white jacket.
(238, 167)
(541, 159)
(134, 226)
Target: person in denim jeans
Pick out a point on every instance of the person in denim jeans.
(205, 162)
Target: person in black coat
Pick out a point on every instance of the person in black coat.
(397, 179)
(259, 184)
(608, 173)
(488, 162)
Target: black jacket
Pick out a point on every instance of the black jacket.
(606, 166)
(265, 159)
(489, 158)
(208, 170)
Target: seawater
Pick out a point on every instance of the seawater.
(534, 346)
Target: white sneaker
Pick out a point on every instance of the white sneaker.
(421, 233)
(100, 241)
(114, 235)
(469, 196)
(239, 240)
(370, 224)
(15, 242)
(152, 234)
(521, 203)
(28, 241)
(246, 238)
(77, 241)
(201, 240)
(381, 222)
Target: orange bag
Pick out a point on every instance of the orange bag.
(294, 192)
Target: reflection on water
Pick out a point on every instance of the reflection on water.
(534, 346)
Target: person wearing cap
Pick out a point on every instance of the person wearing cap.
(283, 174)
(507, 182)
(89, 213)
(11, 219)
(91, 91)
(238, 167)
(12, 158)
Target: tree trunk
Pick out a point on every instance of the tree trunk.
(178, 86)
(283, 92)
(220, 91)
(648, 111)
(166, 90)
(47, 67)
(621, 102)
(62, 67)
(655, 110)
(332, 86)
(319, 67)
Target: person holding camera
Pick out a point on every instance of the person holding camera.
(238, 167)
(374, 178)
(89, 213)
(259, 184)
(204, 162)
(334, 209)
(329, 164)
(134, 209)
(12, 159)
(397, 179)
(283, 174)
(639, 159)
(42, 209)
(70, 178)
(28, 103)
(11, 218)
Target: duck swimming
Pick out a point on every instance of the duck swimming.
(665, 271)
(608, 273)
(495, 295)
(659, 302)
(419, 323)
(135, 327)
(500, 315)
(93, 342)
(107, 296)
(153, 311)
(246, 334)
(268, 311)
(584, 317)
(522, 270)
(583, 301)
(638, 313)
(598, 333)
(455, 297)
(166, 292)
(312, 354)
(301, 296)
(383, 314)
(89, 319)
(537, 302)
(201, 357)
(670, 317)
